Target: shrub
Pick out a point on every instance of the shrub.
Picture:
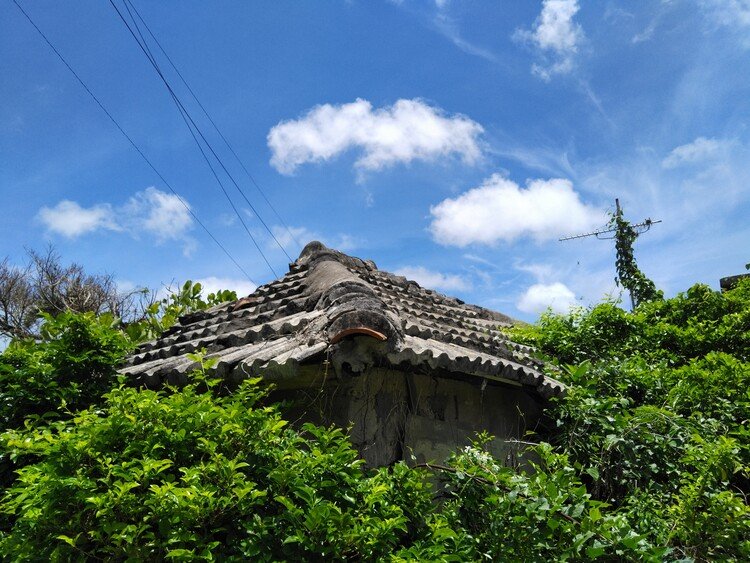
(542, 514)
(194, 473)
(201, 473)
(648, 454)
(70, 367)
(657, 414)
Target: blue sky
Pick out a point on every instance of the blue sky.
(451, 141)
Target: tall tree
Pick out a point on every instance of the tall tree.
(45, 285)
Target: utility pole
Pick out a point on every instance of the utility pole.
(606, 234)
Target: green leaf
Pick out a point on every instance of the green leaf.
(70, 541)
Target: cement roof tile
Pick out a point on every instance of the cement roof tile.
(288, 320)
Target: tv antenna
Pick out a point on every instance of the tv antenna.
(604, 234)
(639, 228)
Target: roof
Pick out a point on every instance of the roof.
(730, 282)
(311, 313)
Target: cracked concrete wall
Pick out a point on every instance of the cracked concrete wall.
(393, 415)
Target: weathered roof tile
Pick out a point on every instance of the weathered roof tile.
(328, 297)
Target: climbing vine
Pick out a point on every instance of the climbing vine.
(629, 276)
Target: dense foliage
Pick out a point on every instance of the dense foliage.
(163, 313)
(658, 413)
(200, 473)
(72, 361)
(647, 456)
(71, 365)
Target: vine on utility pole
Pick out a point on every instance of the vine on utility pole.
(629, 276)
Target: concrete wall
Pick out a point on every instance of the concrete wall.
(394, 415)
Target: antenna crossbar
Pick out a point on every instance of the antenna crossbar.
(646, 225)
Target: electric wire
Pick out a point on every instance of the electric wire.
(192, 125)
(223, 189)
(213, 123)
(187, 117)
(133, 143)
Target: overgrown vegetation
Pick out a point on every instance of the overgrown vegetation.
(72, 361)
(647, 458)
(657, 414)
(199, 473)
(163, 313)
(629, 275)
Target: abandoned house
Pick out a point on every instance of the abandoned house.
(411, 372)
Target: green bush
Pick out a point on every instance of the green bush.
(657, 414)
(74, 361)
(647, 458)
(677, 330)
(163, 314)
(199, 472)
(69, 368)
(180, 474)
(541, 515)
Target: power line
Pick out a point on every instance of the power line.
(193, 125)
(213, 123)
(188, 121)
(187, 117)
(132, 142)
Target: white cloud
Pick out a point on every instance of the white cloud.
(731, 18)
(125, 286)
(644, 35)
(150, 211)
(447, 27)
(700, 150)
(406, 131)
(556, 36)
(500, 210)
(549, 161)
(540, 272)
(539, 297)
(290, 237)
(345, 242)
(69, 219)
(158, 213)
(479, 260)
(227, 219)
(730, 13)
(483, 275)
(555, 28)
(434, 280)
(212, 284)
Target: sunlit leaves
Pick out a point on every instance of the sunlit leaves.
(657, 414)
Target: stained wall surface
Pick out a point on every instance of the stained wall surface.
(418, 417)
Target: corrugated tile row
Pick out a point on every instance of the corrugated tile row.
(284, 323)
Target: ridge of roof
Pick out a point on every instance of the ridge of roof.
(325, 300)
